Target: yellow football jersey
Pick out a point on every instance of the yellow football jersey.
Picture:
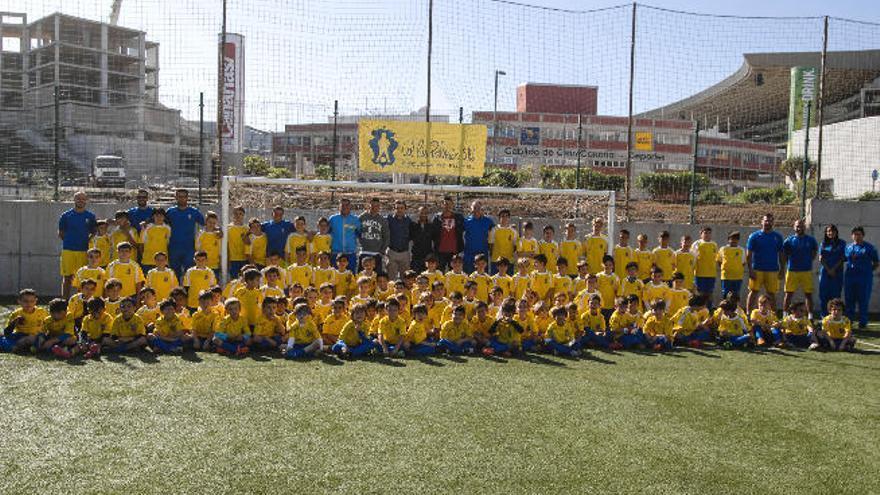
(735, 326)
(102, 243)
(484, 283)
(320, 243)
(154, 238)
(593, 321)
(94, 328)
(162, 281)
(417, 332)
(250, 299)
(349, 334)
(149, 315)
(796, 326)
(455, 282)
(98, 274)
(705, 254)
(563, 284)
(653, 292)
(295, 240)
(571, 250)
(233, 327)
(608, 285)
(55, 328)
(196, 280)
(76, 306)
(32, 323)
(333, 324)
(129, 274)
(685, 263)
(268, 327)
(622, 256)
(595, 247)
(645, 260)
(455, 331)
(392, 331)
(732, 261)
(551, 250)
(656, 327)
(631, 287)
(235, 246)
(560, 333)
(503, 242)
(837, 329)
(126, 329)
(541, 283)
(324, 275)
(677, 299)
(257, 249)
(664, 258)
(505, 282)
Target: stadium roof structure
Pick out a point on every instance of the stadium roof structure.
(754, 99)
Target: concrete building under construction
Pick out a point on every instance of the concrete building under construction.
(107, 83)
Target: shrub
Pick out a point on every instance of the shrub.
(713, 197)
(279, 173)
(565, 178)
(255, 165)
(675, 186)
(870, 196)
(773, 196)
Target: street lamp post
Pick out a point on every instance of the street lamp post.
(495, 118)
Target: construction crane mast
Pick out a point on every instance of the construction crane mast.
(114, 12)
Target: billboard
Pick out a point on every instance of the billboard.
(804, 89)
(644, 140)
(232, 92)
(392, 146)
(530, 136)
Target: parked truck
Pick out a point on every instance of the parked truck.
(108, 171)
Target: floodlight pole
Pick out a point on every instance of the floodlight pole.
(821, 107)
(495, 119)
(220, 86)
(693, 191)
(201, 141)
(577, 176)
(629, 125)
(806, 168)
(57, 137)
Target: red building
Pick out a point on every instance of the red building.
(557, 98)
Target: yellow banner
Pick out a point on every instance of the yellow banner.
(391, 146)
(644, 141)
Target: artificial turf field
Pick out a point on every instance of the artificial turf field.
(689, 421)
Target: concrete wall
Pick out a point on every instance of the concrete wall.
(29, 246)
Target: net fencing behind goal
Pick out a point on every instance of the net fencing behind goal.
(316, 198)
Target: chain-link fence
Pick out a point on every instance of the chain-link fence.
(683, 113)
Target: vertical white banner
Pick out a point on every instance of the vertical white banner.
(232, 129)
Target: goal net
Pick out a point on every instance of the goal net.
(314, 199)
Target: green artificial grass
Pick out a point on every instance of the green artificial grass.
(690, 421)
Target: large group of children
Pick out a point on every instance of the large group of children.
(555, 297)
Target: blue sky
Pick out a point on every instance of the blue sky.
(370, 54)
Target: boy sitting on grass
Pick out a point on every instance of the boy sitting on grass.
(658, 327)
(168, 332)
(765, 323)
(233, 331)
(58, 334)
(455, 334)
(353, 339)
(269, 328)
(505, 333)
(95, 325)
(416, 341)
(204, 322)
(392, 330)
(836, 333)
(687, 326)
(798, 328)
(560, 336)
(25, 323)
(128, 332)
(733, 330)
(303, 338)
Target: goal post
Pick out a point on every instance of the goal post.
(474, 192)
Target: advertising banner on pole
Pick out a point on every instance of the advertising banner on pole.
(804, 91)
(232, 72)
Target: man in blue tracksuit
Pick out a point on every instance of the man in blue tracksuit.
(276, 231)
(183, 220)
(476, 235)
(142, 212)
(344, 231)
(860, 262)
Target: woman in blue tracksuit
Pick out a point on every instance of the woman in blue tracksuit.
(831, 253)
(861, 261)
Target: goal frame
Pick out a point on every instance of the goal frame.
(227, 181)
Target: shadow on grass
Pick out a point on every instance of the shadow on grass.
(386, 361)
(430, 361)
(539, 359)
(330, 359)
(455, 358)
(495, 359)
(592, 356)
(192, 357)
(698, 352)
(147, 357)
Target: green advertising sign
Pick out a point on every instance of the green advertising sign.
(804, 90)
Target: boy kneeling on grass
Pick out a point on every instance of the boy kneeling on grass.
(836, 333)
(303, 338)
(58, 334)
(455, 335)
(765, 324)
(128, 332)
(233, 331)
(353, 339)
(560, 338)
(733, 331)
(168, 332)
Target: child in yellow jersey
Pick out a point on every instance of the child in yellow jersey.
(321, 242)
(571, 249)
(521, 279)
(765, 323)
(678, 295)
(456, 299)
(732, 259)
(560, 339)
(594, 326)
(482, 279)
(269, 329)
(301, 272)
(364, 287)
(562, 282)
(733, 329)
(574, 319)
(324, 272)
(128, 332)
(658, 327)
(643, 257)
(392, 330)
(481, 323)
(657, 290)
(275, 261)
(685, 262)
(622, 253)
(92, 271)
(505, 333)
(273, 287)
(456, 335)
(456, 278)
(204, 323)
(631, 284)
(595, 246)
(797, 327)
(580, 281)
(527, 246)
(548, 248)
(621, 325)
(76, 305)
(126, 271)
(168, 332)
(343, 279)
(502, 279)
(198, 278)
(161, 278)
(541, 310)
(687, 326)
(298, 238)
(256, 244)
(503, 239)
(416, 342)
(95, 324)
(333, 323)
(249, 297)
(208, 240)
(154, 238)
(836, 333)
(705, 253)
(354, 340)
(608, 285)
(303, 339)
(101, 241)
(384, 289)
(123, 233)
(236, 247)
(529, 340)
(541, 282)
(664, 255)
(111, 296)
(582, 299)
(233, 332)
(368, 268)
(57, 333)
(634, 306)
